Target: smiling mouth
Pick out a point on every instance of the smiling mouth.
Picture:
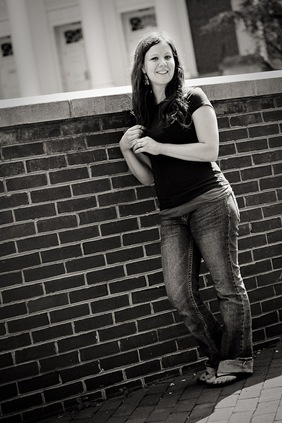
(162, 72)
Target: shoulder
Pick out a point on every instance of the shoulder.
(195, 92)
(196, 98)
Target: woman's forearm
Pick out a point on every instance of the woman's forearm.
(138, 167)
(199, 152)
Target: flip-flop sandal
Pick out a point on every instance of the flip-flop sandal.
(225, 380)
(207, 375)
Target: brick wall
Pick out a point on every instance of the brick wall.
(84, 310)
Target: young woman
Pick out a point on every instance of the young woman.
(174, 145)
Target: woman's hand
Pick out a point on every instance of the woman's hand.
(130, 137)
(146, 145)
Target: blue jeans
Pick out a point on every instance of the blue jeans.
(210, 232)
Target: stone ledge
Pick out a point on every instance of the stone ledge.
(27, 110)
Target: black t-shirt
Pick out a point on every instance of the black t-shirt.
(178, 181)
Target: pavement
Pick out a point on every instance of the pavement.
(257, 399)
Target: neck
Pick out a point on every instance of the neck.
(159, 94)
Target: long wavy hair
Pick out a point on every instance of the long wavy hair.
(174, 107)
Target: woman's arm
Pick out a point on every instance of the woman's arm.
(138, 165)
(206, 150)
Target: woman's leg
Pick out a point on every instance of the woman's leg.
(181, 264)
(215, 230)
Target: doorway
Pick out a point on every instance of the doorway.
(8, 71)
(72, 57)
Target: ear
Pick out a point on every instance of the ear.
(143, 70)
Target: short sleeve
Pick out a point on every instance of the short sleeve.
(197, 98)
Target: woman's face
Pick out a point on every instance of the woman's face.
(159, 64)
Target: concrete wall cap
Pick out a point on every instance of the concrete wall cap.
(61, 106)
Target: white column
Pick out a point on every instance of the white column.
(172, 19)
(23, 48)
(95, 43)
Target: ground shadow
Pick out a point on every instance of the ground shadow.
(182, 400)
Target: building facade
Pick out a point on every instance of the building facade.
(51, 46)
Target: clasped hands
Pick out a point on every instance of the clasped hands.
(133, 139)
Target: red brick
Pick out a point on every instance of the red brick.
(233, 134)
(119, 226)
(251, 145)
(6, 217)
(268, 183)
(7, 249)
(105, 275)
(99, 351)
(144, 266)
(85, 263)
(90, 187)
(119, 360)
(19, 262)
(236, 162)
(108, 168)
(46, 334)
(43, 272)
(77, 342)
(256, 172)
(90, 323)
(17, 231)
(110, 303)
(13, 310)
(50, 194)
(104, 244)
(104, 380)
(245, 120)
(18, 372)
(35, 352)
(61, 253)
(267, 157)
(69, 313)
(64, 283)
(80, 371)
(97, 215)
(27, 323)
(56, 223)
(117, 331)
(91, 231)
(22, 183)
(8, 391)
(38, 383)
(139, 208)
(27, 150)
(59, 361)
(37, 242)
(87, 157)
(124, 255)
(64, 391)
(21, 403)
(76, 204)
(132, 313)
(143, 369)
(64, 145)
(46, 163)
(122, 196)
(11, 169)
(35, 212)
(156, 321)
(48, 302)
(127, 285)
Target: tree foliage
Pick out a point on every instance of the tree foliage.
(263, 20)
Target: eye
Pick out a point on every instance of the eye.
(154, 58)
(168, 57)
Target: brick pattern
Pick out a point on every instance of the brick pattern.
(84, 310)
